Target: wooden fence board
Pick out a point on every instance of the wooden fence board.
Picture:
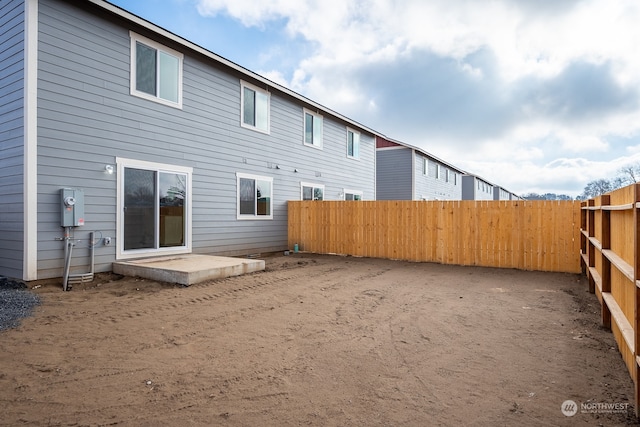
(610, 256)
(529, 235)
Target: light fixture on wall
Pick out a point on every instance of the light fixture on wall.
(108, 169)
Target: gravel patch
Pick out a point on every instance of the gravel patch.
(16, 303)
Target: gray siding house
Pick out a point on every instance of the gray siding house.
(476, 188)
(404, 172)
(112, 125)
(500, 193)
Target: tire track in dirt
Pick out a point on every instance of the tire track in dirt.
(183, 297)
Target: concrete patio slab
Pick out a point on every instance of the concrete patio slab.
(187, 269)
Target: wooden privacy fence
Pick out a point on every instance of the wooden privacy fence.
(527, 235)
(610, 249)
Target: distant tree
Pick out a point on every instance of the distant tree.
(629, 174)
(619, 182)
(533, 196)
(596, 188)
(546, 196)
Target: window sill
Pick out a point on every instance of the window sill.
(317, 147)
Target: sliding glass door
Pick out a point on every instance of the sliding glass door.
(154, 209)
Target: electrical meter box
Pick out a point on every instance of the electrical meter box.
(72, 203)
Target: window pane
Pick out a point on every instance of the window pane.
(173, 190)
(249, 116)
(145, 69)
(317, 131)
(357, 197)
(308, 128)
(247, 196)
(139, 208)
(349, 143)
(262, 111)
(356, 145)
(264, 198)
(307, 193)
(317, 193)
(169, 70)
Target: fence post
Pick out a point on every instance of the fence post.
(605, 241)
(591, 249)
(583, 239)
(636, 276)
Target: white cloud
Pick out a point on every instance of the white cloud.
(516, 83)
(634, 149)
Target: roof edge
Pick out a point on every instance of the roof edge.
(123, 13)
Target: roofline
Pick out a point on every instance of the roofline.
(424, 152)
(117, 10)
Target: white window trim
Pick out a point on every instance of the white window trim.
(244, 84)
(254, 217)
(312, 185)
(425, 166)
(437, 171)
(132, 83)
(358, 192)
(123, 163)
(304, 123)
(355, 132)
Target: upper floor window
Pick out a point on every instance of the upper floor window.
(255, 194)
(312, 129)
(312, 191)
(437, 171)
(446, 175)
(255, 107)
(425, 166)
(353, 144)
(156, 71)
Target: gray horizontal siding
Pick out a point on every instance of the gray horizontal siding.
(393, 174)
(11, 137)
(430, 187)
(87, 118)
(470, 190)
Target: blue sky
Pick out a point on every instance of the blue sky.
(535, 96)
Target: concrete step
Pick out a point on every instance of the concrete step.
(187, 269)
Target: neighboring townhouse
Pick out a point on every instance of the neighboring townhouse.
(476, 188)
(111, 124)
(500, 193)
(405, 172)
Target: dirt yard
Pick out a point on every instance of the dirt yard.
(321, 341)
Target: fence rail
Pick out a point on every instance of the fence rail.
(527, 235)
(610, 253)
